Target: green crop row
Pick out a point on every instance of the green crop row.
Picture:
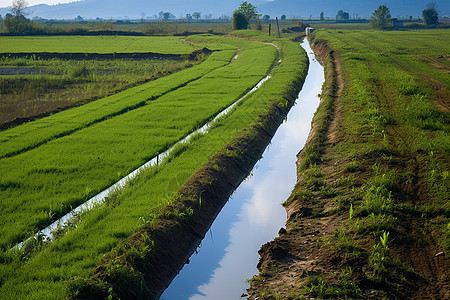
(30, 135)
(56, 84)
(95, 44)
(44, 183)
(48, 273)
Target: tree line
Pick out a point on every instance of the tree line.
(16, 22)
(381, 16)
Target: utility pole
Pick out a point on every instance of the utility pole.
(278, 26)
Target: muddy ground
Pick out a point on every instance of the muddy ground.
(318, 256)
(105, 56)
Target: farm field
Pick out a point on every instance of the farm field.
(21, 138)
(120, 141)
(373, 194)
(45, 87)
(59, 161)
(33, 86)
(95, 44)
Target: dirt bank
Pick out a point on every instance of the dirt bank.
(106, 56)
(319, 255)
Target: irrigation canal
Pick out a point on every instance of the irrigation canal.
(229, 253)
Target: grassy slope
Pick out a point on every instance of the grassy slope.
(77, 253)
(373, 193)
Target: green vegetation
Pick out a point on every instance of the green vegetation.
(22, 138)
(373, 192)
(54, 84)
(65, 170)
(239, 21)
(393, 133)
(341, 287)
(245, 14)
(381, 17)
(56, 81)
(123, 139)
(95, 44)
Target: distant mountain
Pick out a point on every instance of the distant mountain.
(136, 9)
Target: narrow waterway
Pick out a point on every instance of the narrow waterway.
(229, 253)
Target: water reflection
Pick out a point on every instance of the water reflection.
(253, 216)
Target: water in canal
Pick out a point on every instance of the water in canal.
(229, 253)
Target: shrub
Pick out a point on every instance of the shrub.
(239, 21)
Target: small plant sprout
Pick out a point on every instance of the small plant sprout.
(384, 239)
(350, 213)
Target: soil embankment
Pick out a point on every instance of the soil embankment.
(105, 56)
(320, 254)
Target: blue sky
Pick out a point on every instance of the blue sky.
(5, 3)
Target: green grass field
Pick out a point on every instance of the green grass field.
(59, 84)
(395, 86)
(80, 156)
(34, 86)
(18, 139)
(64, 171)
(95, 44)
(380, 158)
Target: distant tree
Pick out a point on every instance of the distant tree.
(258, 24)
(321, 16)
(143, 14)
(266, 18)
(208, 16)
(79, 18)
(430, 14)
(381, 17)
(239, 20)
(283, 17)
(16, 22)
(196, 15)
(342, 15)
(189, 17)
(432, 5)
(167, 16)
(18, 8)
(249, 11)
